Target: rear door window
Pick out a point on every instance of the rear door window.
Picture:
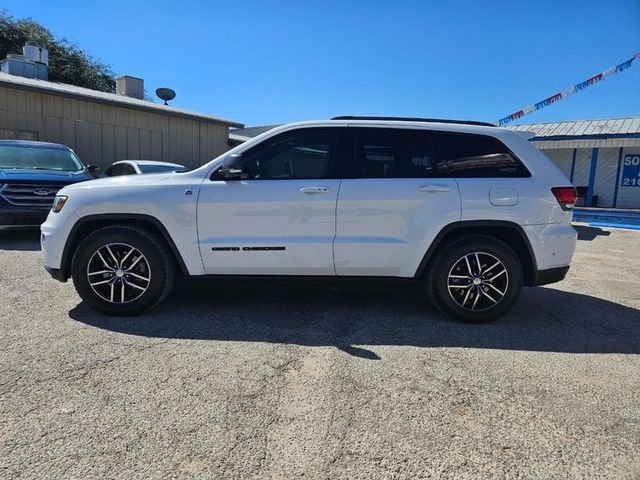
(469, 155)
(393, 153)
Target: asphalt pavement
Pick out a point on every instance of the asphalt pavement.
(322, 383)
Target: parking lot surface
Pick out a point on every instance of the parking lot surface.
(245, 383)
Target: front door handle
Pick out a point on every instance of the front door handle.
(434, 188)
(313, 190)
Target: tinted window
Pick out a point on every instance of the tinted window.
(308, 153)
(117, 169)
(128, 170)
(465, 155)
(393, 153)
(13, 157)
(151, 168)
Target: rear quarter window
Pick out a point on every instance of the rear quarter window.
(466, 155)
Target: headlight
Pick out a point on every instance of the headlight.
(58, 203)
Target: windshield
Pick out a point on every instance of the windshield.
(160, 168)
(13, 157)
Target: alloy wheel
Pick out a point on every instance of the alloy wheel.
(478, 281)
(118, 273)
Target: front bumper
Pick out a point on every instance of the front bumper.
(53, 237)
(56, 274)
(22, 216)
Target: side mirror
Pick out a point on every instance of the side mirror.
(92, 169)
(231, 167)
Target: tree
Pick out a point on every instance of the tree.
(68, 63)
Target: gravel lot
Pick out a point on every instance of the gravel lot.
(322, 383)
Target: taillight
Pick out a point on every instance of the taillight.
(566, 196)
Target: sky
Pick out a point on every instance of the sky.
(271, 62)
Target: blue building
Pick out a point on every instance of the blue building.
(600, 157)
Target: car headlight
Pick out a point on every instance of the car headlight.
(58, 203)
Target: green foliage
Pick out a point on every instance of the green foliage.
(68, 63)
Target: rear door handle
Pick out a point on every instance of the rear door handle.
(434, 188)
(313, 190)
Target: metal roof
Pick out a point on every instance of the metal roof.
(63, 89)
(620, 127)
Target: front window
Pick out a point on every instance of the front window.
(37, 158)
(301, 154)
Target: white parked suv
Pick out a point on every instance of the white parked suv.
(469, 212)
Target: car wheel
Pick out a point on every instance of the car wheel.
(122, 270)
(475, 279)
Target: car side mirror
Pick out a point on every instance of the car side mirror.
(231, 168)
(92, 169)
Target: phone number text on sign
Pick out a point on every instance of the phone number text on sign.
(631, 171)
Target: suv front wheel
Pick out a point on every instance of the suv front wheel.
(475, 279)
(122, 270)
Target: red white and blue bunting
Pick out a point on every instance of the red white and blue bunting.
(576, 88)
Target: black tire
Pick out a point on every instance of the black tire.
(156, 263)
(450, 294)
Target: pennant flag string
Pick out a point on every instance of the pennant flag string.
(565, 93)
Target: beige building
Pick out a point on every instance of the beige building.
(104, 127)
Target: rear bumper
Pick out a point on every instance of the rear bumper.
(553, 244)
(550, 275)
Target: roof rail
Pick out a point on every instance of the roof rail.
(412, 119)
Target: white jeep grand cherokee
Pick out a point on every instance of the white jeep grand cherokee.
(469, 211)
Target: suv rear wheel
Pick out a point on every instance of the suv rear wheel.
(122, 270)
(475, 279)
